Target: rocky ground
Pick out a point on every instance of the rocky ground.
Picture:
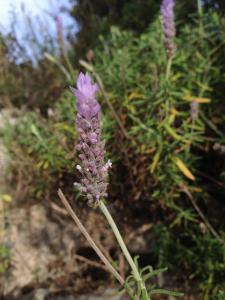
(48, 255)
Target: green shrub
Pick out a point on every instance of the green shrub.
(4, 259)
(160, 153)
(42, 149)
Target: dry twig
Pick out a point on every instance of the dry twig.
(89, 239)
(200, 213)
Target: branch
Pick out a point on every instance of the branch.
(89, 239)
(211, 229)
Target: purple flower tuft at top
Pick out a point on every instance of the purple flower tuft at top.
(93, 169)
(167, 10)
(87, 105)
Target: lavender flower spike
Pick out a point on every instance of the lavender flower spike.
(93, 169)
(167, 10)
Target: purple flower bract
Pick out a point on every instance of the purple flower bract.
(87, 105)
(167, 10)
(93, 169)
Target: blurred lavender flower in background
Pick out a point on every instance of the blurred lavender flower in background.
(93, 169)
(194, 111)
(219, 148)
(167, 10)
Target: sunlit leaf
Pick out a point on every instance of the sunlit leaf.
(6, 198)
(183, 168)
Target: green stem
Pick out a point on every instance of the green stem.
(200, 13)
(124, 248)
(168, 68)
(199, 8)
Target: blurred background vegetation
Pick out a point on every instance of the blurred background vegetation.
(166, 138)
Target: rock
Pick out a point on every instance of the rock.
(43, 251)
(111, 294)
(35, 243)
(43, 294)
(8, 116)
(140, 240)
(4, 163)
(40, 294)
